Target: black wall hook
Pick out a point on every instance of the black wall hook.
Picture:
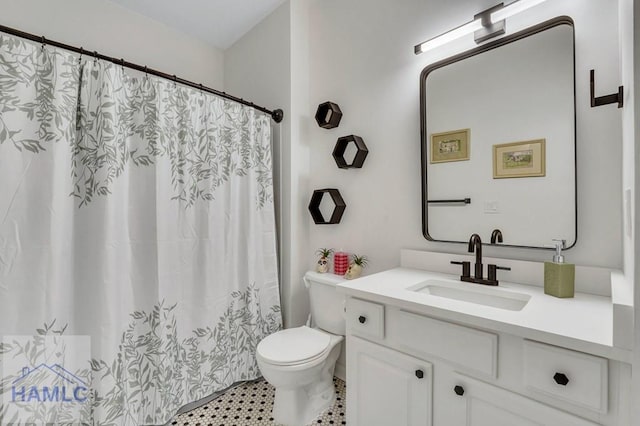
(607, 99)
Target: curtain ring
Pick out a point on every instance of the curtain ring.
(175, 79)
(95, 57)
(44, 41)
(146, 74)
(122, 63)
(81, 53)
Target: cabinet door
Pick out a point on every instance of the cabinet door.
(386, 387)
(487, 405)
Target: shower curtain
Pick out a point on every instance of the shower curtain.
(137, 241)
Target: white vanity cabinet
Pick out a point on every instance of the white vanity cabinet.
(487, 405)
(387, 387)
(409, 368)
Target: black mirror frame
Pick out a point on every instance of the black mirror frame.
(424, 139)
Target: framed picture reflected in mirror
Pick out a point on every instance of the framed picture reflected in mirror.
(450, 146)
(519, 159)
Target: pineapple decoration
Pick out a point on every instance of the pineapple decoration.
(356, 266)
(323, 263)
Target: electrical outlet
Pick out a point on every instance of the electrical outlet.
(491, 207)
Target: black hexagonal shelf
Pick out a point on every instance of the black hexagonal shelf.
(314, 206)
(341, 147)
(328, 115)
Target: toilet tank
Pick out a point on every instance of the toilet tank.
(327, 303)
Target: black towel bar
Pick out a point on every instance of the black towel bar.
(463, 200)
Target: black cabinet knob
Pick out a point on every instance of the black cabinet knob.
(561, 379)
(362, 319)
(459, 390)
(419, 374)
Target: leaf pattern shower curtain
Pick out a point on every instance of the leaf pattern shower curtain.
(138, 213)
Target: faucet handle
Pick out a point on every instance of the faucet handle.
(492, 272)
(466, 268)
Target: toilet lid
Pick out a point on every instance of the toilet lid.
(293, 345)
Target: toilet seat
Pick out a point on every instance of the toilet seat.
(294, 346)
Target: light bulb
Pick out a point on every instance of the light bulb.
(449, 36)
(513, 8)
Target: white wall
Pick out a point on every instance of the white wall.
(115, 31)
(362, 58)
(300, 172)
(630, 132)
(629, 17)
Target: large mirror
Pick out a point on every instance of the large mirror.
(498, 140)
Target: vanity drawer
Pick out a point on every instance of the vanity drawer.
(365, 318)
(574, 377)
(468, 349)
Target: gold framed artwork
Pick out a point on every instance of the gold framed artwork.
(450, 146)
(519, 159)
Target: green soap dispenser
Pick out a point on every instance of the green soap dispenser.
(559, 277)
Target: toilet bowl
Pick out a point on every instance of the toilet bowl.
(299, 362)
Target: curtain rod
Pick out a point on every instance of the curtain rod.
(277, 114)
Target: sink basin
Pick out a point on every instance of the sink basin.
(493, 297)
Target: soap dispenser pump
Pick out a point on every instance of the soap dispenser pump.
(559, 277)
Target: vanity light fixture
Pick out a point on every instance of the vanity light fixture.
(449, 36)
(485, 25)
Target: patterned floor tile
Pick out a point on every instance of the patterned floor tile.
(250, 404)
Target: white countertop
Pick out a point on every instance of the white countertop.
(583, 323)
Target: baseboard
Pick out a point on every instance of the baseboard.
(340, 371)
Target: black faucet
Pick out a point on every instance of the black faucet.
(475, 245)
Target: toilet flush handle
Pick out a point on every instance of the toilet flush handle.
(362, 319)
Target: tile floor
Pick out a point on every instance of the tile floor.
(250, 404)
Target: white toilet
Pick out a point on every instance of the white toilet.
(299, 362)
